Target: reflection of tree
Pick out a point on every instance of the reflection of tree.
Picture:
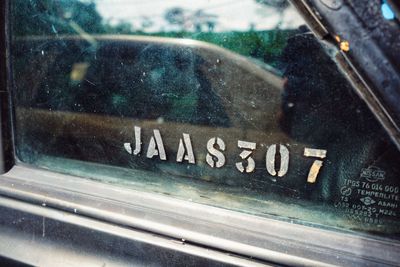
(48, 17)
(146, 23)
(52, 17)
(122, 27)
(201, 18)
(175, 16)
(186, 19)
(278, 5)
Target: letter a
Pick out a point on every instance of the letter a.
(156, 146)
(185, 150)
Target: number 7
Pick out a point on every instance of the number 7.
(316, 166)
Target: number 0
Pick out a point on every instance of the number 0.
(270, 160)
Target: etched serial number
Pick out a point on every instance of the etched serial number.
(215, 156)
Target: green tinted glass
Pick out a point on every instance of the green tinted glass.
(228, 103)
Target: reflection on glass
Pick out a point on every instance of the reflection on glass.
(228, 103)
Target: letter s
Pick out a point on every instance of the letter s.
(213, 152)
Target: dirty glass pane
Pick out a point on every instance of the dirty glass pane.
(228, 103)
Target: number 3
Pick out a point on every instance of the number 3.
(248, 148)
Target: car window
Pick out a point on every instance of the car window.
(232, 104)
